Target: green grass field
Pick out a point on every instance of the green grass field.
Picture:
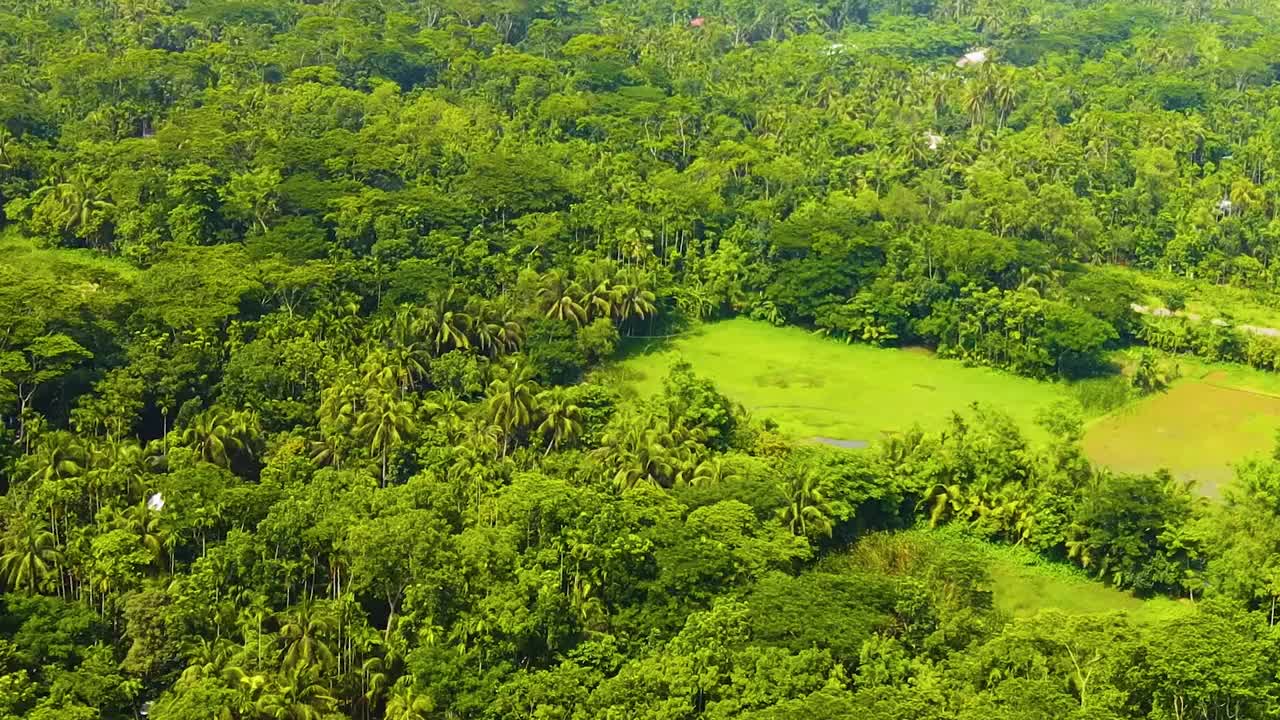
(1021, 582)
(31, 258)
(1209, 420)
(817, 387)
(1212, 418)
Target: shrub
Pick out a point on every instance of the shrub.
(1101, 394)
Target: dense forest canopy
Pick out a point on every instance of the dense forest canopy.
(299, 304)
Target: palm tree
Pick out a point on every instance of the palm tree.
(807, 511)
(1148, 375)
(206, 659)
(296, 695)
(408, 364)
(494, 333)
(302, 630)
(561, 418)
(444, 327)
(510, 402)
(251, 687)
(80, 207)
(30, 554)
(58, 456)
(637, 454)
(713, 472)
(337, 419)
(599, 300)
(251, 619)
(374, 676)
(406, 703)
(567, 308)
(510, 335)
(561, 297)
(217, 435)
(975, 101)
(142, 521)
(384, 423)
(632, 301)
(484, 331)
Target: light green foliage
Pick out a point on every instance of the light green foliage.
(304, 307)
(1197, 428)
(813, 387)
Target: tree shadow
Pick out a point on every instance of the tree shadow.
(630, 346)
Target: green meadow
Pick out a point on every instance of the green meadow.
(813, 386)
(1211, 418)
(1202, 297)
(1021, 582)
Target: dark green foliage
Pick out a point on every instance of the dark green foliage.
(1128, 528)
(300, 305)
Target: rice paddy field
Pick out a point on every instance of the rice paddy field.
(1199, 428)
(814, 387)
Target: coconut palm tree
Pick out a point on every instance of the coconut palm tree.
(217, 436)
(484, 330)
(807, 511)
(81, 209)
(296, 695)
(375, 675)
(510, 334)
(712, 472)
(58, 456)
(599, 300)
(30, 555)
(143, 522)
(443, 326)
(407, 703)
(974, 100)
(561, 418)
(631, 301)
(567, 307)
(1148, 375)
(384, 423)
(510, 402)
(206, 659)
(638, 454)
(303, 630)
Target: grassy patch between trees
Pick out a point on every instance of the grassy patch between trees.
(814, 386)
(1204, 424)
(1021, 582)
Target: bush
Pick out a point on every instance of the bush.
(1149, 374)
(1101, 394)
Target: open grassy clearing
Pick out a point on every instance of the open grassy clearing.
(816, 387)
(26, 254)
(1209, 420)
(1021, 582)
(1206, 299)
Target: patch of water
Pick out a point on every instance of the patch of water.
(847, 444)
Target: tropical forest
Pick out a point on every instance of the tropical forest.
(639, 360)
